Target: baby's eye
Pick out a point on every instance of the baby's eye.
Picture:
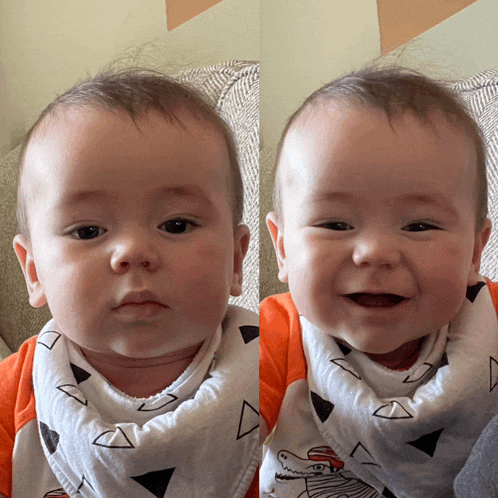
(340, 226)
(87, 233)
(178, 225)
(420, 226)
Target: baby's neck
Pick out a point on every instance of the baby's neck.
(402, 358)
(142, 377)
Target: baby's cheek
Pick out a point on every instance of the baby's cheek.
(447, 292)
(206, 274)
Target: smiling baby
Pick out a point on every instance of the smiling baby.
(376, 367)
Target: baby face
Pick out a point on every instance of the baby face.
(132, 242)
(377, 236)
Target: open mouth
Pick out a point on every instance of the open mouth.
(376, 300)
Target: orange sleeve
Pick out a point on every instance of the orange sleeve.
(282, 359)
(17, 405)
(253, 491)
(493, 290)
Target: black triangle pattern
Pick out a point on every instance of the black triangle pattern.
(345, 350)
(343, 363)
(493, 373)
(73, 392)
(156, 482)
(428, 442)
(394, 410)
(444, 361)
(322, 407)
(363, 455)
(249, 420)
(50, 438)
(422, 372)
(55, 493)
(249, 333)
(82, 483)
(80, 375)
(474, 290)
(48, 339)
(119, 442)
(172, 399)
(387, 494)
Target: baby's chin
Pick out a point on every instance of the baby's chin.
(125, 352)
(395, 357)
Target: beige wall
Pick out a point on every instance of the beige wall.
(46, 46)
(305, 44)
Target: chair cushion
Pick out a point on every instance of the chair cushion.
(480, 93)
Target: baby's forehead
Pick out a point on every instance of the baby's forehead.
(326, 125)
(362, 142)
(65, 143)
(87, 122)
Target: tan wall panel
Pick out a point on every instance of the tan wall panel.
(180, 11)
(402, 20)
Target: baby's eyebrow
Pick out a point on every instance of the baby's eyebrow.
(325, 195)
(430, 199)
(82, 196)
(88, 196)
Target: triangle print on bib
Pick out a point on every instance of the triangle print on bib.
(408, 433)
(198, 437)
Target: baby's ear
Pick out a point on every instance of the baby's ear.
(482, 237)
(277, 234)
(25, 257)
(241, 244)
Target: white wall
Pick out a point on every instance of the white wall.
(47, 46)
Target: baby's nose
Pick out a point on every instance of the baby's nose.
(137, 252)
(377, 250)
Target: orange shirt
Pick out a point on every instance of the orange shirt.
(282, 358)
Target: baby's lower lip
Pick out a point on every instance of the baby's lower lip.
(147, 309)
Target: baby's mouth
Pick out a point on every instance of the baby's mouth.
(376, 300)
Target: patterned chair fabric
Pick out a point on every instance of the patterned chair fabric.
(480, 93)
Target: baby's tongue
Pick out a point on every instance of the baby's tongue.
(370, 301)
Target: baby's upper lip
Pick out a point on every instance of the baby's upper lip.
(139, 297)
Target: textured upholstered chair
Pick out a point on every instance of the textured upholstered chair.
(234, 87)
(480, 93)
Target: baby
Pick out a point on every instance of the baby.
(145, 382)
(379, 368)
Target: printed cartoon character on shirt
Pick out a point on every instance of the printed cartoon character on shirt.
(323, 474)
(56, 493)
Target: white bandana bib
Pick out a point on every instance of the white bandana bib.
(198, 437)
(407, 434)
